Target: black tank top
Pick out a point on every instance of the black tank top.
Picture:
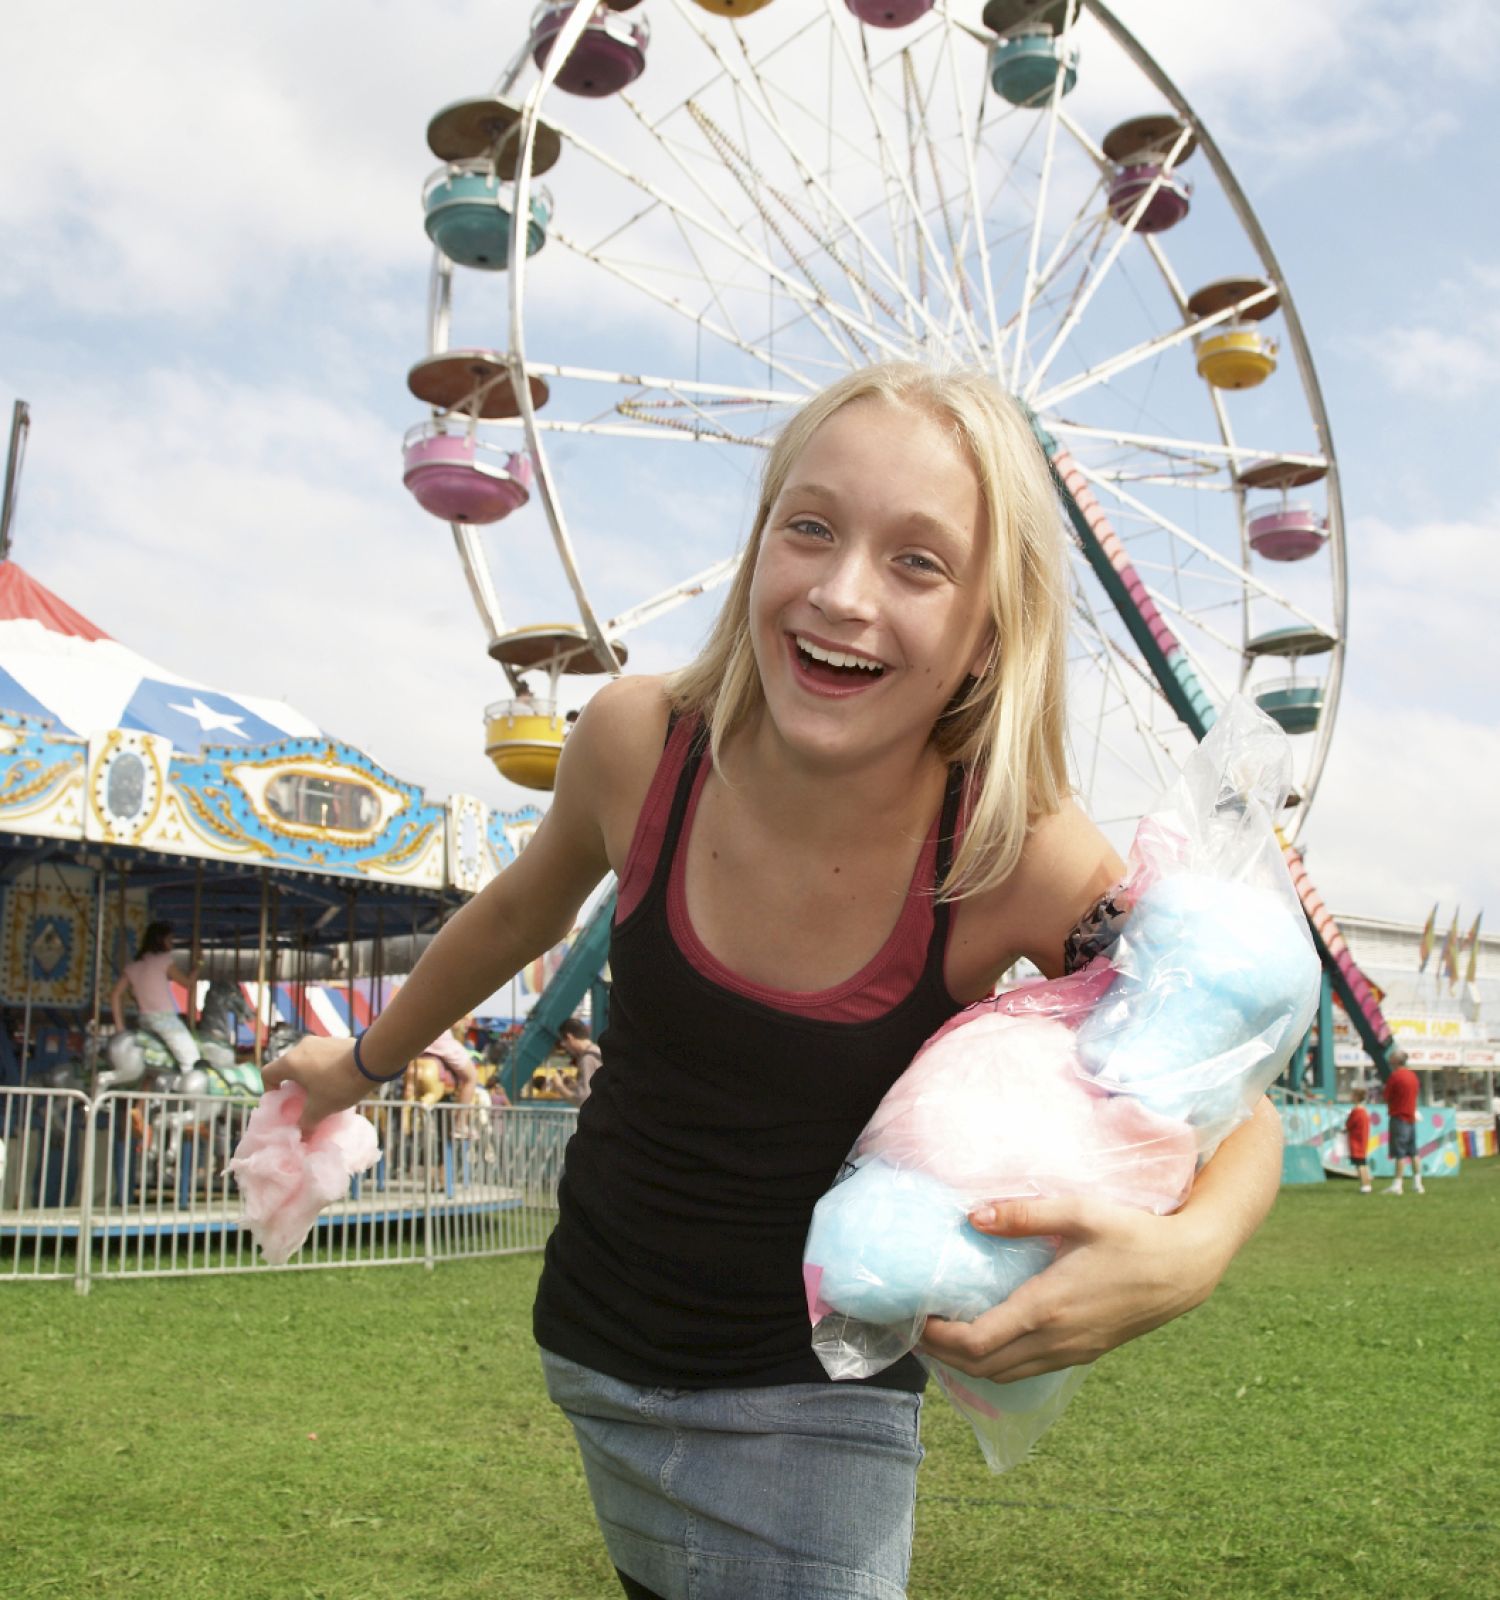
(711, 1131)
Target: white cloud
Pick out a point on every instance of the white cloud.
(1394, 825)
(1455, 358)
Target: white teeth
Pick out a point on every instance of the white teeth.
(838, 658)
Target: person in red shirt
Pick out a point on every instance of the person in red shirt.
(1357, 1128)
(1401, 1103)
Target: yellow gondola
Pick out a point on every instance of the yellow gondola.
(524, 739)
(1238, 357)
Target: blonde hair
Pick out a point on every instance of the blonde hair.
(1005, 728)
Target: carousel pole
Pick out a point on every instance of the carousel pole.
(196, 953)
(261, 1025)
(98, 966)
(349, 964)
(377, 963)
(275, 953)
(36, 890)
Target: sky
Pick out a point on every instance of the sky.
(213, 278)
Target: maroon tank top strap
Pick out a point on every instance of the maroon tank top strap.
(651, 826)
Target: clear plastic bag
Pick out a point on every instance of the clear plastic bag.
(1117, 1081)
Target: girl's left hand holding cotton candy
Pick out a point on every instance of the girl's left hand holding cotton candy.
(285, 1178)
(1118, 1272)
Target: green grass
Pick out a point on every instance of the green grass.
(1325, 1426)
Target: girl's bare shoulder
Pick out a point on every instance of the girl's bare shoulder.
(1065, 865)
(612, 753)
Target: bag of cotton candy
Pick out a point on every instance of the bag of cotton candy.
(1115, 1081)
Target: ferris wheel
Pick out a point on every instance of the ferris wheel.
(730, 203)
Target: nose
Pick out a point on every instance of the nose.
(845, 590)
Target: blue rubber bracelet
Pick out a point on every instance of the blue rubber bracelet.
(365, 1072)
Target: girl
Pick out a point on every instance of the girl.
(835, 828)
(148, 980)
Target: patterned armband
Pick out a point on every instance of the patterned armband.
(1095, 932)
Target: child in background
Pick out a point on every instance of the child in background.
(833, 830)
(1357, 1128)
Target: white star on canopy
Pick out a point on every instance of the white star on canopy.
(208, 719)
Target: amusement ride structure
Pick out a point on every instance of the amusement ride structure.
(744, 199)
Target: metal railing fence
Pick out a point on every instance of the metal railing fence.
(135, 1184)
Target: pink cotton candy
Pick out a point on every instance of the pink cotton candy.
(996, 1108)
(286, 1180)
(1140, 1158)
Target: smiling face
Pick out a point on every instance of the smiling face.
(868, 606)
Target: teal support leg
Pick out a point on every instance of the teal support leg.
(598, 1007)
(1326, 1073)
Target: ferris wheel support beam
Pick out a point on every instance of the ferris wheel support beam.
(1159, 646)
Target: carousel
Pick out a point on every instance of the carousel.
(299, 877)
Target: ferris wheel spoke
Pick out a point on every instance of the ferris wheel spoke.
(1168, 445)
(669, 146)
(756, 352)
(1125, 235)
(1242, 575)
(686, 388)
(671, 433)
(749, 84)
(835, 319)
(669, 599)
(760, 193)
(960, 305)
(927, 252)
(1144, 352)
(1132, 686)
(1038, 221)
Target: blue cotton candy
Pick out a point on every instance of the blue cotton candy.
(896, 1245)
(1236, 938)
(1215, 972)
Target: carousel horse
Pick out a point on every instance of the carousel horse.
(427, 1082)
(137, 1053)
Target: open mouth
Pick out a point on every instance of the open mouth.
(845, 669)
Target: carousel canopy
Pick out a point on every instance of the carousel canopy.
(55, 663)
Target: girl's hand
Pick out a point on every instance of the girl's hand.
(1119, 1273)
(325, 1068)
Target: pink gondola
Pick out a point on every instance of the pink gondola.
(462, 479)
(610, 55)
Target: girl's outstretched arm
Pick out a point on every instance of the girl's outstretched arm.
(1119, 1272)
(525, 911)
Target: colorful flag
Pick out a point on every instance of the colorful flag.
(1473, 943)
(1428, 937)
(1449, 962)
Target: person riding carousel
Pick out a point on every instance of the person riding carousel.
(149, 979)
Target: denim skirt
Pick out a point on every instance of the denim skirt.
(802, 1492)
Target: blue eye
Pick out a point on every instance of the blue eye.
(921, 563)
(807, 525)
